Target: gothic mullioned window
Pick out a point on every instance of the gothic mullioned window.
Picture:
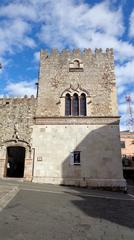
(83, 104)
(75, 105)
(68, 105)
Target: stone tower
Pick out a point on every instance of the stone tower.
(76, 131)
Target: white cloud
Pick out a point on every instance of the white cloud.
(37, 56)
(125, 73)
(65, 23)
(15, 10)
(123, 127)
(121, 89)
(82, 26)
(123, 107)
(14, 34)
(21, 88)
(131, 26)
(66, 18)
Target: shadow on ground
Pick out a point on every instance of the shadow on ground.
(119, 211)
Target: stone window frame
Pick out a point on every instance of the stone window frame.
(71, 91)
(73, 67)
(75, 110)
(77, 154)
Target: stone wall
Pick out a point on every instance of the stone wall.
(16, 113)
(96, 75)
(16, 121)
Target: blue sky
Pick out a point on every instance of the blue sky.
(26, 26)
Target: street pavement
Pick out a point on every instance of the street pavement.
(7, 192)
(46, 212)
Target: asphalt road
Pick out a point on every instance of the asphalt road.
(47, 212)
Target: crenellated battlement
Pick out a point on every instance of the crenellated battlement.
(77, 52)
(5, 101)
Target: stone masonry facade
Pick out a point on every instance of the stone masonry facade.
(16, 121)
(96, 76)
(68, 140)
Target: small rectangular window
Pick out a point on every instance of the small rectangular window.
(76, 157)
(122, 144)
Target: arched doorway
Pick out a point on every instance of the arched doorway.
(15, 161)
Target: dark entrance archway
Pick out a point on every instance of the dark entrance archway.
(15, 161)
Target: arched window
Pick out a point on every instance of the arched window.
(83, 104)
(76, 64)
(67, 105)
(75, 105)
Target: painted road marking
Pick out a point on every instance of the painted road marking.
(131, 195)
(8, 197)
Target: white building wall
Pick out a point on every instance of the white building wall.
(99, 149)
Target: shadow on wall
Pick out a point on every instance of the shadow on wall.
(100, 156)
(101, 149)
